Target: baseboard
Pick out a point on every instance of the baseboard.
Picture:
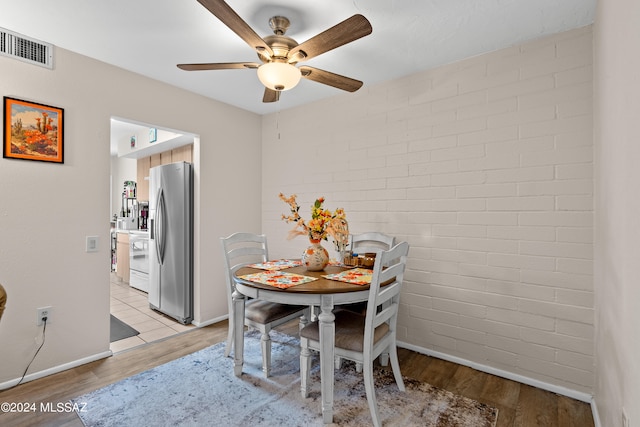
(210, 321)
(56, 369)
(574, 394)
(595, 413)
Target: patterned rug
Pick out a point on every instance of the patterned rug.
(201, 390)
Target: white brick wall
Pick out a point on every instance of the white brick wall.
(485, 166)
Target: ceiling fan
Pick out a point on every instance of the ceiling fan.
(280, 53)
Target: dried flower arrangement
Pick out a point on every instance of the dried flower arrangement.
(323, 222)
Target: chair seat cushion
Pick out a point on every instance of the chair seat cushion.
(349, 331)
(266, 312)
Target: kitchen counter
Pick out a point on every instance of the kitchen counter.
(123, 265)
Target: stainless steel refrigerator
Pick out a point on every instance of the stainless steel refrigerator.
(171, 240)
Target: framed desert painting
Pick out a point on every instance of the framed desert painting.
(32, 131)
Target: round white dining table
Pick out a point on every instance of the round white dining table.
(323, 293)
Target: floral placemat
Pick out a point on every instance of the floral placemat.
(356, 276)
(282, 280)
(279, 264)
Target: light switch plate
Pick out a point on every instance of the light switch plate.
(92, 244)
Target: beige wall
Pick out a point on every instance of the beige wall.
(122, 169)
(47, 210)
(617, 136)
(486, 167)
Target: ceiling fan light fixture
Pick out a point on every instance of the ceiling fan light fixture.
(279, 75)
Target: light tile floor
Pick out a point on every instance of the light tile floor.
(132, 307)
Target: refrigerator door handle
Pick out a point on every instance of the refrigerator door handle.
(158, 227)
(162, 235)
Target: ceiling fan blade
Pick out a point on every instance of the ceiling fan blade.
(218, 66)
(231, 19)
(271, 95)
(349, 30)
(331, 79)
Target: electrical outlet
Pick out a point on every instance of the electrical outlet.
(41, 313)
(625, 419)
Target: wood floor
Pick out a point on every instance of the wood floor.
(519, 405)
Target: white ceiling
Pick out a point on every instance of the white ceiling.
(150, 37)
(123, 129)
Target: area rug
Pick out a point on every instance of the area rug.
(120, 330)
(201, 390)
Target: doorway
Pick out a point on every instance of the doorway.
(135, 149)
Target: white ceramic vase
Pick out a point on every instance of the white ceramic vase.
(315, 257)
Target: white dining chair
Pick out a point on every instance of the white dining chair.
(362, 338)
(371, 241)
(368, 242)
(240, 249)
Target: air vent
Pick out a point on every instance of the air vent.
(26, 49)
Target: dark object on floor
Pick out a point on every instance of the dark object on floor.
(3, 300)
(120, 330)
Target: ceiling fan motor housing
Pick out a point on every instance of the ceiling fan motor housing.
(281, 45)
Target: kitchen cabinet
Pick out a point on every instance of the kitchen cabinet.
(165, 158)
(122, 256)
(155, 160)
(180, 154)
(144, 164)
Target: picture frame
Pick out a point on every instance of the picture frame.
(132, 141)
(32, 131)
(153, 135)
